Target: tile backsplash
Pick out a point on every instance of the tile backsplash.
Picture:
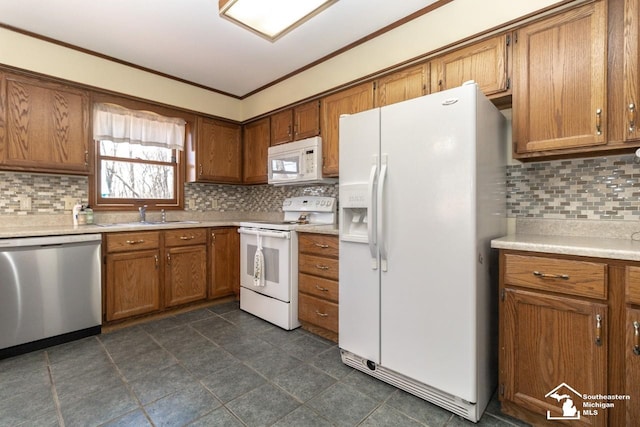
(604, 188)
(47, 194)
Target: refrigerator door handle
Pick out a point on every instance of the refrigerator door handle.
(382, 244)
(371, 221)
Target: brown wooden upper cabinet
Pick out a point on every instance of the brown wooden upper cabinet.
(218, 152)
(292, 124)
(402, 85)
(631, 69)
(559, 83)
(348, 101)
(485, 62)
(44, 126)
(256, 141)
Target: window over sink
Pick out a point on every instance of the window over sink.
(137, 158)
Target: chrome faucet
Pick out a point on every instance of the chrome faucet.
(143, 213)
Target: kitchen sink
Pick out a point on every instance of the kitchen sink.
(146, 223)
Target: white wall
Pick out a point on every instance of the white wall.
(450, 23)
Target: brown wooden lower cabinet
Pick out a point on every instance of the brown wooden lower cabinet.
(224, 262)
(569, 347)
(133, 273)
(318, 284)
(185, 266)
(150, 271)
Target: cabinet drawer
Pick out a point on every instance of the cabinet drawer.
(318, 312)
(319, 287)
(318, 266)
(185, 236)
(318, 244)
(633, 285)
(124, 242)
(581, 278)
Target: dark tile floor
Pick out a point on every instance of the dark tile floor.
(215, 366)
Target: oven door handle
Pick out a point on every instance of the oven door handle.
(265, 233)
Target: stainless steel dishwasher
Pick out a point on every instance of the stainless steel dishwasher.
(50, 291)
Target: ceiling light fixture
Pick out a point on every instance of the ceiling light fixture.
(271, 19)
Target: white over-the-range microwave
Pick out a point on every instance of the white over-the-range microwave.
(298, 162)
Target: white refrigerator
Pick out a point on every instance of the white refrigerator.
(422, 193)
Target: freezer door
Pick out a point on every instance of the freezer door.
(428, 309)
(359, 292)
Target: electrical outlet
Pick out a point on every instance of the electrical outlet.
(192, 204)
(69, 203)
(25, 203)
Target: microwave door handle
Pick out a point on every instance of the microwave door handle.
(371, 221)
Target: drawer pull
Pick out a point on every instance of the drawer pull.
(550, 276)
(598, 330)
(321, 314)
(636, 338)
(322, 267)
(187, 237)
(134, 242)
(320, 245)
(318, 287)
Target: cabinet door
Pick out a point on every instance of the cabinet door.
(224, 258)
(631, 69)
(484, 62)
(560, 82)
(403, 85)
(218, 151)
(132, 283)
(548, 341)
(46, 126)
(632, 365)
(257, 136)
(185, 274)
(306, 120)
(282, 127)
(349, 101)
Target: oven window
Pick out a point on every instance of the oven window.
(271, 263)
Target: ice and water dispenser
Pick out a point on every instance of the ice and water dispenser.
(354, 212)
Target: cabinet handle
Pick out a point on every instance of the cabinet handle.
(636, 338)
(168, 259)
(187, 237)
(86, 158)
(134, 242)
(550, 276)
(200, 169)
(213, 238)
(318, 287)
(599, 121)
(322, 267)
(320, 245)
(321, 314)
(632, 117)
(598, 330)
(289, 130)
(157, 261)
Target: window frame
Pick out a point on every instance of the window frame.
(98, 203)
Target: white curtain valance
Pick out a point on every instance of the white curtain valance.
(115, 123)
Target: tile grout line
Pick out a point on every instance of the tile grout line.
(126, 384)
(54, 391)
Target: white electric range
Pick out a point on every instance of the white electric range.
(269, 283)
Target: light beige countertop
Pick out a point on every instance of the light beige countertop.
(591, 238)
(597, 247)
